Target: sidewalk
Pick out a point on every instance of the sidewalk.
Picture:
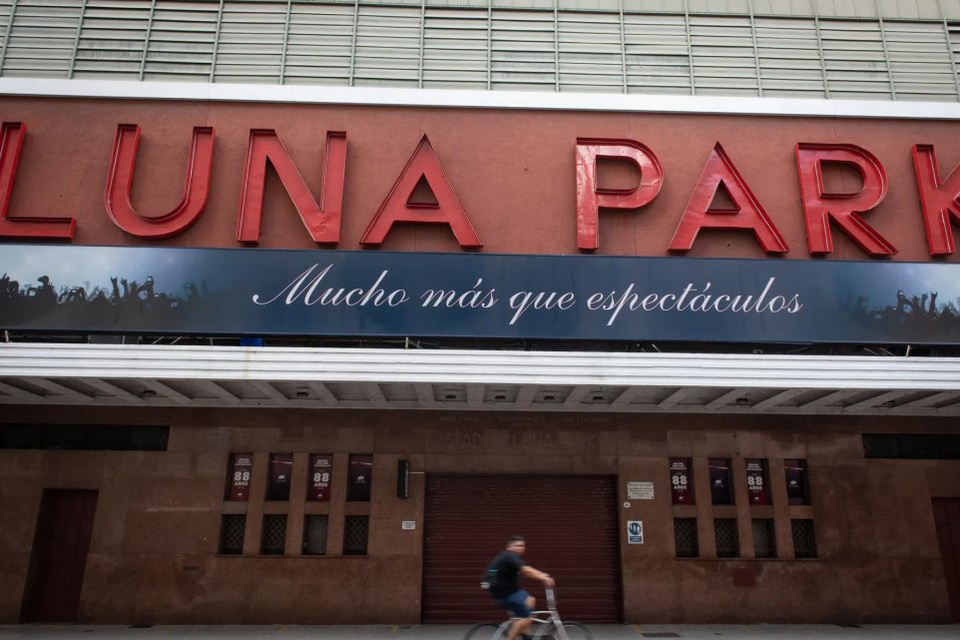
(455, 632)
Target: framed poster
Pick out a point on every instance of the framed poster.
(241, 468)
(681, 483)
(757, 481)
(321, 472)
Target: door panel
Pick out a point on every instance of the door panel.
(59, 556)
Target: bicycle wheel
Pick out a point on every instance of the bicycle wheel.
(576, 631)
(482, 631)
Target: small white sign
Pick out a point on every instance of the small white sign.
(408, 525)
(634, 532)
(640, 490)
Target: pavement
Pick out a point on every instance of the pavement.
(456, 632)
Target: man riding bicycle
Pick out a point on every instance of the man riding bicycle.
(505, 589)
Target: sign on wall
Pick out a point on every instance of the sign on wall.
(757, 481)
(241, 467)
(273, 292)
(321, 469)
(680, 481)
(634, 532)
(640, 490)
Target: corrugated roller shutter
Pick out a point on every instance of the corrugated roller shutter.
(42, 39)
(456, 46)
(570, 523)
(657, 54)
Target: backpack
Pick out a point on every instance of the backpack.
(490, 576)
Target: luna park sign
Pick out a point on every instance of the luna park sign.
(939, 197)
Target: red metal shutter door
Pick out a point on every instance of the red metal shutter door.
(570, 525)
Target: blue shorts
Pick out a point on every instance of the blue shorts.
(516, 603)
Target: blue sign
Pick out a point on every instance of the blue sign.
(261, 292)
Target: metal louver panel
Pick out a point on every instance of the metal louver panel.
(723, 55)
(657, 54)
(467, 520)
(6, 15)
(856, 67)
(388, 46)
(42, 38)
(182, 37)
(920, 61)
(523, 52)
(591, 54)
(319, 44)
(251, 42)
(789, 58)
(112, 39)
(456, 48)
(885, 51)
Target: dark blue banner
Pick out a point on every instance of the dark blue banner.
(370, 293)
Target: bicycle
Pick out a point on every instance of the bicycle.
(547, 626)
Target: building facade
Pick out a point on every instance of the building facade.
(669, 288)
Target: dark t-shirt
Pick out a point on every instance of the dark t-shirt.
(507, 565)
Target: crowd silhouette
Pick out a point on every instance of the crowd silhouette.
(917, 315)
(127, 303)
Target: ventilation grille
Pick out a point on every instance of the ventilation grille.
(476, 45)
(231, 534)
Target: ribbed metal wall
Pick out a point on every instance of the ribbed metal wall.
(879, 49)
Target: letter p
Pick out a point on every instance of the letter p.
(591, 197)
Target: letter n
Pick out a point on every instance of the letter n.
(196, 185)
(397, 207)
(591, 197)
(11, 144)
(939, 199)
(747, 212)
(323, 220)
(844, 209)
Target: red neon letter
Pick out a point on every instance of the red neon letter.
(11, 143)
(747, 212)
(323, 221)
(820, 207)
(196, 185)
(938, 199)
(591, 198)
(423, 165)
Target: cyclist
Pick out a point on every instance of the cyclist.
(505, 588)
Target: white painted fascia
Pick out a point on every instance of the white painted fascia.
(456, 366)
(477, 99)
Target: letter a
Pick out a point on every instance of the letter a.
(11, 143)
(423, 165)
(196, 186)
(746, 214)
